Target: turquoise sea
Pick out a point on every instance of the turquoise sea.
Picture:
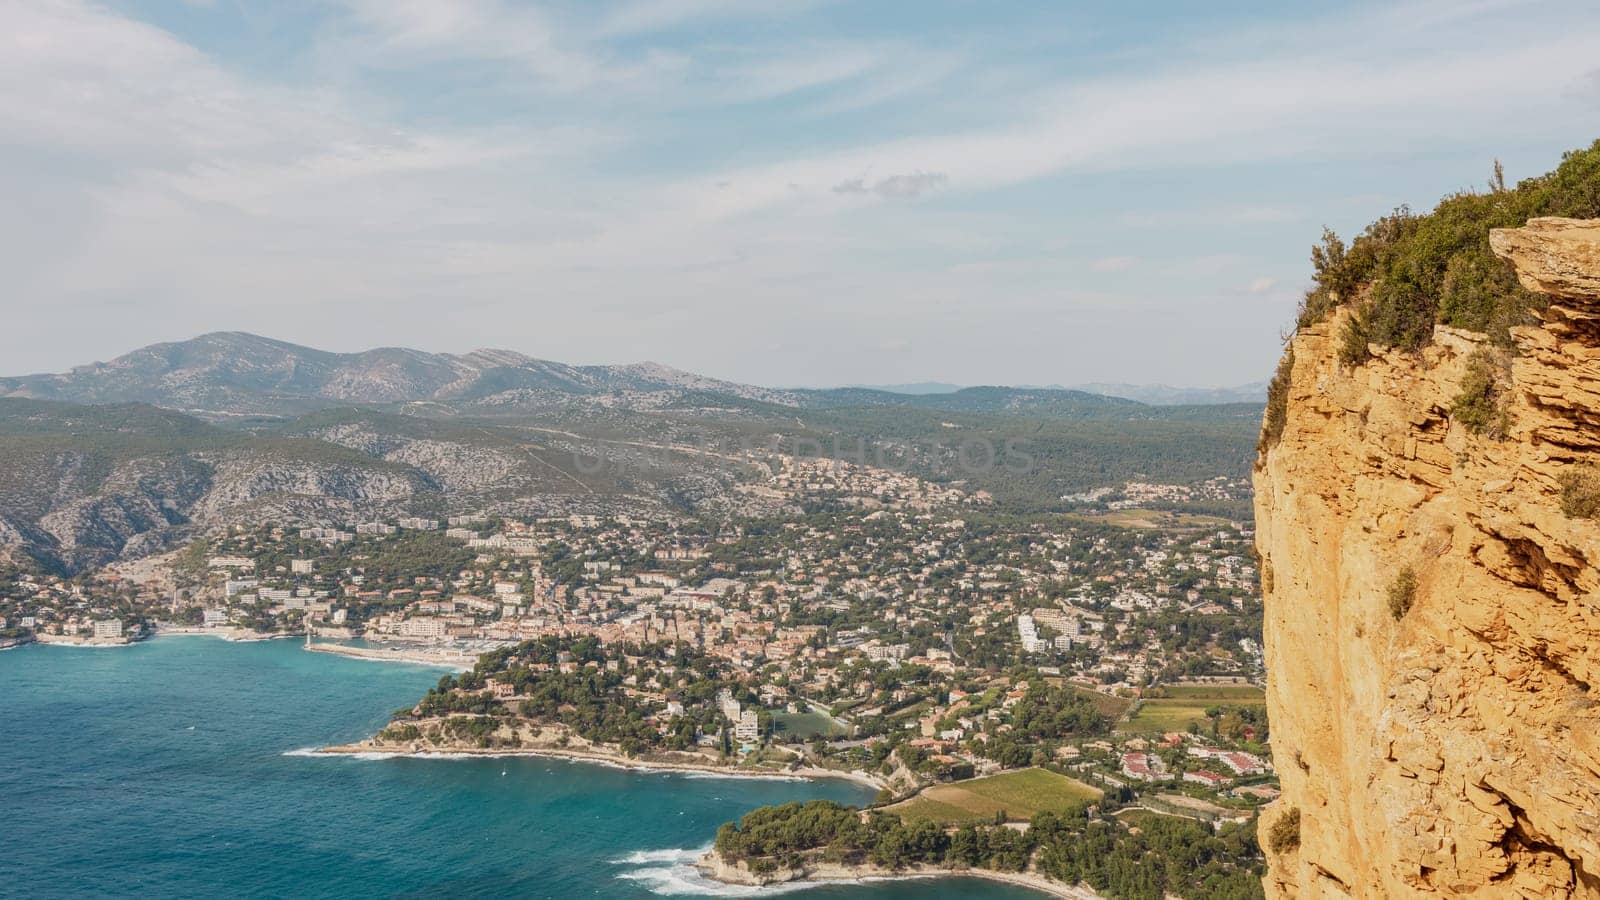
(169, 769)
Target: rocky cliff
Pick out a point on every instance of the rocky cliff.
(1433, 602)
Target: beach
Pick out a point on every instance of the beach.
(419, 654)
(718, 869)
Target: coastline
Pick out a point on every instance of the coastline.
(231, 635)
(717, 869)
(598, 757)
(63, 640)
(458, 660)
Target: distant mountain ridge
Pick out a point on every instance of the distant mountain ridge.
(1152, 394)
(914, 388)
(237, 373)
(230, 374)
(1167, 395)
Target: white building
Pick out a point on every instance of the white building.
(237, 586)
(749, 728)
(424, 628)
(108, 628)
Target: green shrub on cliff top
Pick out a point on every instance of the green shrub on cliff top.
(1407, 272)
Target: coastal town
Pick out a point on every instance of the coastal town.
(890, 630)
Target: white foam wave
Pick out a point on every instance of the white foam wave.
(695, 775)
(687, 881)
(672, 873)
(380, 754)
(671, 855)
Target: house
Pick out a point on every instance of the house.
(1207, 779)
(1244, 763)
(1143, 767)
(108, 628)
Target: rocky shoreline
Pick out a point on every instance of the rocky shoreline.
(75, 640)
(713, 866)
(546, 742)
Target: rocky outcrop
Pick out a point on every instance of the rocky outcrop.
(1432, 616)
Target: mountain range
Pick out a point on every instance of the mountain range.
(226, 375)
(234, 373)
(127, 457)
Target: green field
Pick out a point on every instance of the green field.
(1018, 794)
(1141, 817)
(804, 726)
(1111, 707)
(1242, 694)
(1188, 703)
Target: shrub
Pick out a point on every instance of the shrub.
(1580, 492)
(1402, 593)
(398, 733)
(1419, 270)
(1277, 414)
(1354, 341)
(1284, 835)
(1481, 404)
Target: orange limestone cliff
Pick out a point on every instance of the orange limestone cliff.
(1432, 582)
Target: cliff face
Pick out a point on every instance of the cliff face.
(1432, 615)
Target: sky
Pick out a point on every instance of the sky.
(782, 192)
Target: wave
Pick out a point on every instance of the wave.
(686, 881)
(696, 775)
(673, 855)
(380, 754)
(672, 873)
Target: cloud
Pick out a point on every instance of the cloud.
(1113, 264)
(413, 34)
(595, 187)
(654, 15)
(1261, 285)
(1192, 218)
(1312, 104)
(894, 187)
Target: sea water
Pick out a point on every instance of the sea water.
(178, 768)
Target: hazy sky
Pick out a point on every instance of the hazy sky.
(775, 191)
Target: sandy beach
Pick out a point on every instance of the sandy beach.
(823, 873)
(417, 654)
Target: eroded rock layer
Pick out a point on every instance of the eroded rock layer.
(1432, 613)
